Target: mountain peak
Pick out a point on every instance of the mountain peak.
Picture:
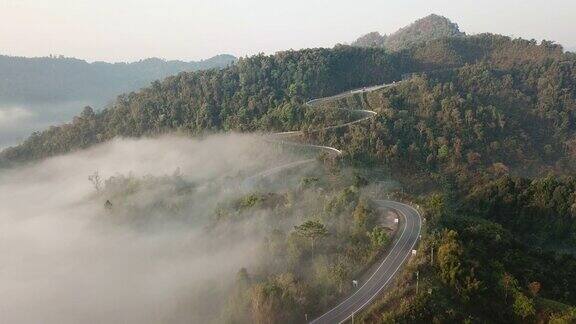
(422, 30)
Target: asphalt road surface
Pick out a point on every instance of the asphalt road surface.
(409, 229)
(410, 224)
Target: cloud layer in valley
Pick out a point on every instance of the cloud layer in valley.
(18, 121)
(61, 263)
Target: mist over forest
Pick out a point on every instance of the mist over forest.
(72, 259)
(424, 176)
(181, 230)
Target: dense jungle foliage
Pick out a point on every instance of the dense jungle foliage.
(470, 122)
(268, 92)
(477, 266)
(470, 132)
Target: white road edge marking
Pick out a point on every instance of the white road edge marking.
(339, 152)
(366, 282)
(397, 268)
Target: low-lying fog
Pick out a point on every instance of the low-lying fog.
(18, 121)
(65, 260)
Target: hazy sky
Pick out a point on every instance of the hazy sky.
(126, 30)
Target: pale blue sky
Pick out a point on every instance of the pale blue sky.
(126, 30)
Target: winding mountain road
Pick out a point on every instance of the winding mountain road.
(410, 222)
(410, 227)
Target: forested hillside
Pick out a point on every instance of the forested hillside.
(474, 142)
(479, 268)
(60, 79)
(257, 93)
(541, 211)
(480, 130)
(467, 121)
(421, 31)
(268, 92)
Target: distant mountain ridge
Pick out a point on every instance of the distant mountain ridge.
(475, 112)
(422, 30)
(55, 79)
(266, 92)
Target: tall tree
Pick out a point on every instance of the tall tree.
(311, 230)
